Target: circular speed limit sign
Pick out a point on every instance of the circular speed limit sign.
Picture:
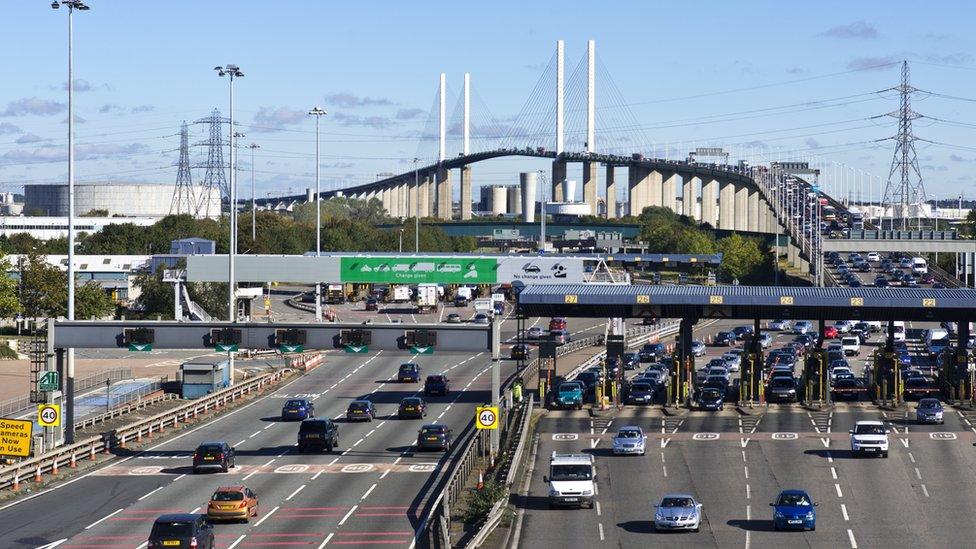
(486, 417)
(49, 415)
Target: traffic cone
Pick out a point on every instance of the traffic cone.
(481, 480)
(37, 474)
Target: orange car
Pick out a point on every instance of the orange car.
(233, 503)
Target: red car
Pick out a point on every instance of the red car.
(830, 332)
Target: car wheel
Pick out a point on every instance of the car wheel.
(301, 449)
(813, 528)
(328, 448)
(224, 468)
(884, 455)
(775, 526)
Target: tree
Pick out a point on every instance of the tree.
(155, 296)
(741, 257)
(211, 296)
(95, 212)
(9, 300)
(44, 288)
(91, 300)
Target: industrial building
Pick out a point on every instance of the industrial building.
(123, 198)
(49, 228)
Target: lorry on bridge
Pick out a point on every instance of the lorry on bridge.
(571, 480)
(427, 297)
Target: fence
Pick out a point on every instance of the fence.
(68, 455)
(23, 404)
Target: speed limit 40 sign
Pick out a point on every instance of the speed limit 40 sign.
(49, 415)
(486, 417)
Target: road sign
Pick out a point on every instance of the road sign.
(486, 417)
(49, 381)
(291, 348)
(15, 437)
(226, 347)
(414, 350)
(48, 415)
(413, 270)
(140, 347)
(357, 349)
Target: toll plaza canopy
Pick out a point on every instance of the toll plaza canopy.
(747, 302)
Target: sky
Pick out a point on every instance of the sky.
(764, 80)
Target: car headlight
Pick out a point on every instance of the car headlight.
(587, 492)
(553, 492)
(810, 515)
(778, 514)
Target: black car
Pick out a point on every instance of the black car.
(781, 389)
(360, 410)
(412, 407)
(613, 367)
(741, 332)
(437, 385)
(408, 372)
(640, 393)
(319, 433)
(181, 530)
(917, 388)
(848, 388)
(213, 455)
(711, 398)
(372, 304)
(724, 338)
(434, 437)
(520, 351)
(631, 361)
(651, 352)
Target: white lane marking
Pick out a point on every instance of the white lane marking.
(925, 491)
(150, 493)
(665, 470)
(598, 513)
(843, 510)
(236, 542)
(295, 493)
(746, 468)
(240, 442)
(839, 493)
(54, 544)
(387, 472)
(911, 457)
(833, 472)
(249, 475)
(357, 443)
(368, 492)
(601, 532)
(256, 433)
(748, 492)
(594, 442)
(850, 534)
(326, 541)
(743, 456)
(195, 509)
(265, 517)
(369, 433)
(270, 425)
(748, 512)
(179, 477)
(103, 519)
(316, 475)
(349, 514)
(904, 442)
(918, 473)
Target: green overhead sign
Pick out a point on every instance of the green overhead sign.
(419, 270)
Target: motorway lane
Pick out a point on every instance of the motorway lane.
(297, 485)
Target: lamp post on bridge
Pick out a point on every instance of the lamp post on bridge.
(318, 113)
(254, 230)
(416, 207)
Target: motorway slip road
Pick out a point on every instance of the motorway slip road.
(368, 492)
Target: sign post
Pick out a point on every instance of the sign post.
(486, 417)
(48, 415)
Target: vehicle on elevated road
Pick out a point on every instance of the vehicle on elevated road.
(213, 455)
(571, 479)
(360, 410)
(434, 436)
(181, 531)
(929, 410)
(412, 407)
(678, 512)
(233, 503)
(869, 437)
(794, 510)
(297, 408)
(408, 373)
(318, 433)
(629, 440)
(437, 384)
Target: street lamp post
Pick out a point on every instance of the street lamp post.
(416, 207)
(232, 71)
(317, 112)
(254, 230)
(401, 240)
(69, 383)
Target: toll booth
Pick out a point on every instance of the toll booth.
(886, 377)
(751, 379)
(816, 384)
(200, 378)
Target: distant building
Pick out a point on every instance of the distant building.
(114, 273)
(117, 197)
(48, 228)
(178, 249)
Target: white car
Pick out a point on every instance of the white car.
(780, 325)
(844, 326)
(629, 440)
(851, 346)
(733, 361)
(802, 326)
(838, 372)
(869, 437)
(535, 332)
(874, 256)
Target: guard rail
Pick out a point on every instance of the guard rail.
(122, 410)
(68, 455)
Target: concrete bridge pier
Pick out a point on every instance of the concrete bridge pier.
(726, 205)
(689, 196)
(590, 182)
(753, 221)
(431, 195)
(385, 197)
(638, 186)
(403, 196)
(764, 218)
(669, 191)
(653, 188)
(465, 193)
(558, 176)
(444, 194)
(709, 201)
(741, 208)
(611, 196)
(423, 196)
(413, 203)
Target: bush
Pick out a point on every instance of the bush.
(479, 502)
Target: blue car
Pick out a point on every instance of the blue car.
(794, 510)
(297, 409)
(905, 358)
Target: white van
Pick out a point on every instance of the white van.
(899, 329)
(919, 266)
(935, 334)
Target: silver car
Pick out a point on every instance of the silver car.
(678, 512)
(781, 325)
(629, 440)
(698, 348)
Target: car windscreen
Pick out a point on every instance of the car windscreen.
(210, 449)
(176, 529)
(227, 495)
(640, 387)
(568, 387)
(410, 401)
(916, 382)
(407, 367)
(781, 383)
(869, 430)
(312, 426)
(628, 433)
(929, 404)
(794, 500)
(436, 430)
(570, 472)
(358, 406)
(294, 403)
(435, 379)
(677, 502)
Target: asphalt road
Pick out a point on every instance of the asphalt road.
(368, 492)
